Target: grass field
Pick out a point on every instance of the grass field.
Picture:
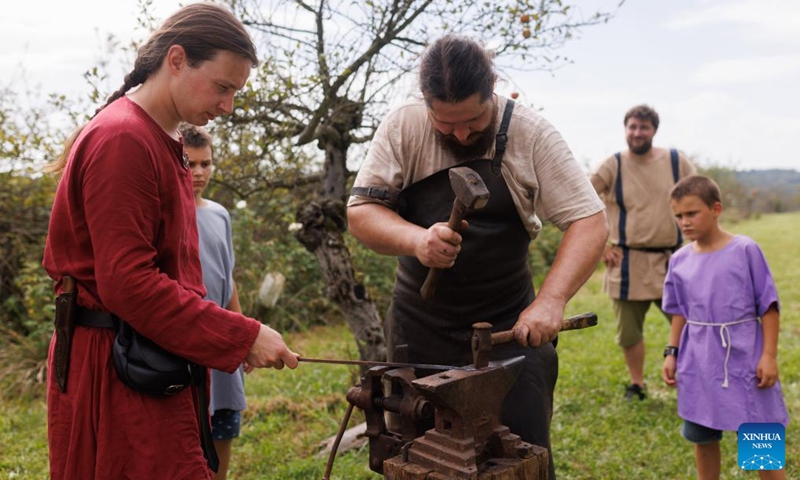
(596, 434)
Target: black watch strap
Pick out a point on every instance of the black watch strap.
(670, 350)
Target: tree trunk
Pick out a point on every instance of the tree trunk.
(324, 224)
(335, 178)
(323, 227)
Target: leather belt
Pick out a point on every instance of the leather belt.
(93, 318)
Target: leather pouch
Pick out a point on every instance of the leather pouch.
(147, 368)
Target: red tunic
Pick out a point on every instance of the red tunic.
(123, 224)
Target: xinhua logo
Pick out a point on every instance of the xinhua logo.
(762, 446)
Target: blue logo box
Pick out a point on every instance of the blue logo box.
(762, 446)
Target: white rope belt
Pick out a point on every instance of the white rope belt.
(723, 332)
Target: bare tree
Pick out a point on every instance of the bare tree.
(331, 69)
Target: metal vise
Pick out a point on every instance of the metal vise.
(415, 413)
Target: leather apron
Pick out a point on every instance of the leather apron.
(489, 282)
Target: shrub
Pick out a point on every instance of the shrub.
(542, 251)
(26, 296)
(264, 243)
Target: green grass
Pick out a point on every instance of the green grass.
(596, 435)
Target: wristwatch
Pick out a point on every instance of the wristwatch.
(670, 350)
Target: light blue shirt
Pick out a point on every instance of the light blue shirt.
(216, 256)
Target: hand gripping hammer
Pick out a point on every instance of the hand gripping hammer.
(471, 193)
(483, 339)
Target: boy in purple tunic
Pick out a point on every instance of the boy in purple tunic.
(721, 357)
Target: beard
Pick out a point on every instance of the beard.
(641, 149)
(480, 142)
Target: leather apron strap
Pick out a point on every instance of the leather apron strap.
(490, 281)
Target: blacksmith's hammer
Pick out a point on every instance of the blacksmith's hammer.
(483, 338)
(471, 193)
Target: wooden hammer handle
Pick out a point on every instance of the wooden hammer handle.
(572, 323)
(457, 214)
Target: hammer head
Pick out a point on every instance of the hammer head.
(469, 187)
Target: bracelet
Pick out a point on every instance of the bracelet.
(671, 350)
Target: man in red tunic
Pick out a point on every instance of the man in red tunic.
(123, 225)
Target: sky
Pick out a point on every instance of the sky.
(722, 74)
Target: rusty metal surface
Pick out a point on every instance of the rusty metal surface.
(415, 414)
(467, 428)
(448, 423)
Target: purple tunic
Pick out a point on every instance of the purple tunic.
(731, 285)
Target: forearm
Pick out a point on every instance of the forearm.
(234, 305)
(770, 324)
(577, 257)
(161, 308)
(383, 230)
(678, 322)
(670, 362)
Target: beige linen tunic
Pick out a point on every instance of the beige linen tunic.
(647, 182)
(542, 175)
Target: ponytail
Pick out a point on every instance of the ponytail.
(57, 166)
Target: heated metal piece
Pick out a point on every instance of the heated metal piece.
(371, 363)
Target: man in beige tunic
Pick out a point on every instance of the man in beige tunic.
(635, 186)
(402, 197)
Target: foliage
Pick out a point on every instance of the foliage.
(746, 193)
(775, 190)
(329, 69)
(26, 295)
(23, 363)
(27, 141)
(596, 434)
(27, 135)
(264, 244)
(375, 272)
(25, 203)
(542, 251)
